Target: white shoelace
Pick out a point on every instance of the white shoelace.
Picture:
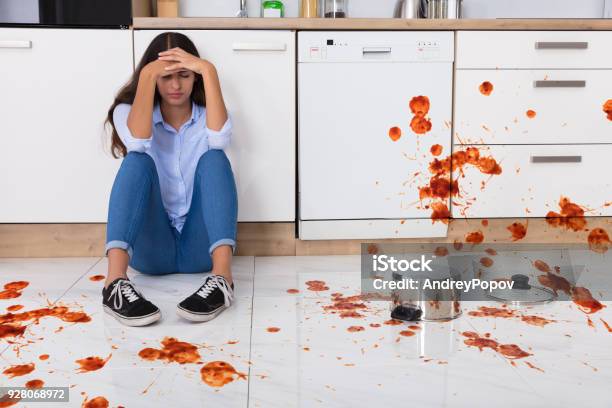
(219, 282)
(125, 288)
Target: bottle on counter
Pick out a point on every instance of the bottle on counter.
(336, 8)
(272, 8)
(309, 8)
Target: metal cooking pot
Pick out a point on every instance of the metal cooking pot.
(426, 304)
(409, 9)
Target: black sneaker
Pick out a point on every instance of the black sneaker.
(126, 304)
(213, 297)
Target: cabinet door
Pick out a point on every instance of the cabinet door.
(533, 180)
(57, 86)
(257, 74)
(568, 106)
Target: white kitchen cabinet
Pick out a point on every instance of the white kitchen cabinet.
(56, 88)
(568, 106)
(534, 178)
(534, 49)
(257, 74)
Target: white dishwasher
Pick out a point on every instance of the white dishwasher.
(356, 178)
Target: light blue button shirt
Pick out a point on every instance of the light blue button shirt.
(175, 154)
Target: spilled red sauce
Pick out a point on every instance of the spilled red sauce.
(19, 370)
(96, 278)
(419, 105)
(393, 322)
(518, 230)
(590, 322)
(607, 108)
(491, 251)
(43, 357)
(35, 384)
(606, 325)
(580, 296)
(173, 351)
(534, 367)
(436, 150)
(395, 133)
(505, 313)
(440, 212)
(91, 363)
(509, 351)
(316, 286)
(219, 373)
(484, 223)
(441, 251)
(273, 329)
(486, 88)
(9, 330)
(531, 114)
(555, 283)
(570, 217)
(372, 249)
(14, 308)
(458, 245)
(541, 266)
(475, 237)
(98, 402)
(375, 325)
(13, 289)
(354, 329)
(346, 306)
(599, 240)
(293, 291)
(537, 320)
(407, 333)
(486, 261)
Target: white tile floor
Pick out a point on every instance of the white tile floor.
(313, 360)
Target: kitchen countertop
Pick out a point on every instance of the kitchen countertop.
(369, 24)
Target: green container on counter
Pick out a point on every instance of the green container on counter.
(272, 8)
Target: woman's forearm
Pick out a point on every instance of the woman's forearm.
(216, 113)
(140, 118)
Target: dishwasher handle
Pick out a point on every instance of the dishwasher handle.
(376, 50)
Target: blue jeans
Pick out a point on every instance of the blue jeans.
(139, 223)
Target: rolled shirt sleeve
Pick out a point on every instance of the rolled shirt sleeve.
(132, 144)
(220, 139)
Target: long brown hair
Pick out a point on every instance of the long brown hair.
(126, 94)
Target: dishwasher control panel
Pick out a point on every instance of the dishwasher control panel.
(364, 46)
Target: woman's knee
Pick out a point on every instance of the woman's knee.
(213, 158)
(136, 162)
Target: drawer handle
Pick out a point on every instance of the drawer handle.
(569, 45)
(376, 50)
(556, 159)
(15, 44)
(559, 84)
(259, 46)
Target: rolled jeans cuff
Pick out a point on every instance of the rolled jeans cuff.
(119, 244)
(224, 241)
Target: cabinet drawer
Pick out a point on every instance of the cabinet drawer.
(534, 49)
(568, 106)
(533, 180)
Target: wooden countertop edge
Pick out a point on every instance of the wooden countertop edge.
(368, 24)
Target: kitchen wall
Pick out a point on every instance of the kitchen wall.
(384, 8)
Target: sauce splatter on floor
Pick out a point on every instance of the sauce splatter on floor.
(570, 217)
(486, 88)
(13, 290)
(92, 363)
(97, 402)
(35, 384)
(486, 261)
(531, 114)
(19, 370)
(505, 313)
(581, 296)
(607, 108)
(354, 329)
(317, 286)
(395, 133)
(346, 306)
(293, 291)
(436, 150)
(599, 240)
(273, 329)
(96, 278)
(509, 351)
(419, 105)
(173, 351)
(475, 237)
(219, 373)
(14, 308)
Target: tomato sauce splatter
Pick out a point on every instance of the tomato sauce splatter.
(6, 401)
(372, 249)
(436, 150)
(440, 212)
(484, 223)
(19, 370)
(407, 333)
(504, 313)
(486, 261)
(9, 330)
(354, 329)
(571, 216)
(475, 237)
(293, 291)
(509, 351)
(607, 108)
(458, 245)
(491, 251)
(440, 251)
(92, 363)
(419, 105)
(486, 88)
(98, 402)
(393, 322)
(541, 266)
(61, 312)
(219, 373)
(374, 325)
(580, 296)
(14, 308)
(537, 320)
(518, 231)
(347, 306)
(173, 351)
(607, 325)
(531, 114)
(96, 278)
(43, 357)
(316, 286)
(599, 240)
(395, 133)
(534, 367)
(273, 329)
(13, 289)
(35, 384)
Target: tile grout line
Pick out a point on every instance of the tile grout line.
(62, 295)
(248, 402)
